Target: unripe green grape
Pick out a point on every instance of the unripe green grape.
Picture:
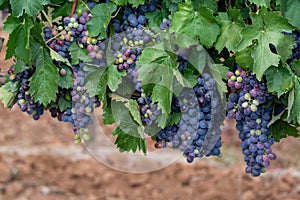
(245, 105)
(239, 79)
(253, 108)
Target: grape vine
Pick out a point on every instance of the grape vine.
(164, 68)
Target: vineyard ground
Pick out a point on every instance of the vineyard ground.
(38, 160)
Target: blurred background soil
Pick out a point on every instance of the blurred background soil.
(39, 160)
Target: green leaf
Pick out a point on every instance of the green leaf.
(159, 65)
(296, 67)
(211, 4)
(265, 3)
(155, 19)
(266, 29)
(56, 56)
(114, 77)
(281, 129)
(230, 30)
(63, 10)
(96, 82)
(216, 70)
(135, 3)
(78, 54)
(290, 10)
(66, 81)
(129, 143)
(18, 44)
(244, 58)
(134, 110)
(100, 20)
(174, 118)
(30, 7)
(63, 103)
(130, 134)
(8, 94)
(194, 23)
(107, 115)
(45, 80)
(279, 80)
(295, 110)
(19, 66)
(172, 5)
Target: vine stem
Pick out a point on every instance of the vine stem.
(53, 37)
(73, 8)
(116, 13)
(47, 18)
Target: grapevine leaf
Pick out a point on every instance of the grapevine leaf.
(279, 80)
(129, 143)
(107, 115)
(265, 3)
(66, 81)
(162, 120)
(295, 110)
(161, 64)
(216, 71)
(285, 47)
(45, 80)
(196, 56)
(194, 23)
(135, 3)
(134, 110)
(31, 7)
(230, 30)
(63, 103)
(19, 66)
(154, 19)
(56, 56)
(244, 58)
(296, 67)
(130, 135)
(100, 20)
(174, 118)
(266, 29)
(211, 4)
(8, 94)
(18, 43)
(290, 10)
(281, 129)
(96, 82)
(114, 77)
(172, 5)
(163, 96)
(63, 10)
(78, 54)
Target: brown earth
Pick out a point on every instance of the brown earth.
(38, 160)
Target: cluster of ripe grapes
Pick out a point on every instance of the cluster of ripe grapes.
(26, 101)
(249, 104)
(59, 38)
(198, 132)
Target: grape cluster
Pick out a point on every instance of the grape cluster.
(248, 105)
(197, 134)
(296, 49)
(82, 105)
(26, 101)
(134, 17)
(148, 110)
